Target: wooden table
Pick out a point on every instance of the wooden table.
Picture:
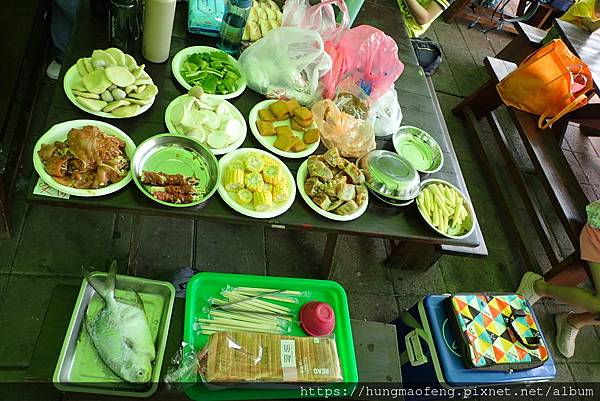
(586, 46)
(380, 220)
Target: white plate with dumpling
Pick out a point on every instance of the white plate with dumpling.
(110, 84)
(214, 122)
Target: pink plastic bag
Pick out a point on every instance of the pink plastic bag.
(365, 55)
(320, 17)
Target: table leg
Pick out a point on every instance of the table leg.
(413, 256)
(134, 244)
(327, 268)
(4, 221)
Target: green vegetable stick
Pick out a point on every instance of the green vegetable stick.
(428, 201)
(439, 200)
(435, 191)
(456, 215)
(435, 219)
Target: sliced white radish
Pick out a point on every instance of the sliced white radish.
(217, 140)
(204, 117)
(233, 130)
(198, 133)
(222, 109)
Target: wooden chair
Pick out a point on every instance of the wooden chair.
(560, 184)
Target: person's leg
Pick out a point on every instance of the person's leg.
(569, 324)
(61, 26)
(572, 295)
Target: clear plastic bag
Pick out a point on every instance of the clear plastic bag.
(286, 63)
(354, 137)
(231, 357)
(319, 17)
(365, 55)
(183, 369)
(387, 113)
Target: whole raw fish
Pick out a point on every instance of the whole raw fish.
(120, 332)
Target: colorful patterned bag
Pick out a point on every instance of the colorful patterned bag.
(496, 332)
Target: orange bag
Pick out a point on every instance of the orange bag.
(550, 83)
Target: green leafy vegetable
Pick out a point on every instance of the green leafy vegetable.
(213, 71)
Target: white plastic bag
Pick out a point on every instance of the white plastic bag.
(387, 112)
(286, 63)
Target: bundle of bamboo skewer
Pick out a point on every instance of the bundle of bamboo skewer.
(248, 309)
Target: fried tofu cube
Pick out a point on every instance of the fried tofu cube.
(311, 136)
(303, 123)
(284, 142)
(266, 115)
(295, 126)
(292, 105)
(303, 113)
(265, 128)
(284, 130)
(299, 145)
(279, 109)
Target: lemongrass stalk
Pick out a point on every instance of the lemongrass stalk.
(228, 323)
(240, 296)
(274, 297)
(251, 319)
(254, 290)
(244, 319)
(265, 305)
(229, 328)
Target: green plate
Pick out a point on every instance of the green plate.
(176, 154)
(419, 148)
(205, 285)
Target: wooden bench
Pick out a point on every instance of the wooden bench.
(24, 33)
(528, 40)
(550, 165)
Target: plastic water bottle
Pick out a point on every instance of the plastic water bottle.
(232, 27)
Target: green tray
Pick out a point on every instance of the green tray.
(79, 367)
(205, 285)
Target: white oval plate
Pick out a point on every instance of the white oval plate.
(72, 76)
(466, 202)
(249, 211)
(268, 141)
(183, 54)
(215, 101)
(59, 133)
(301, 176)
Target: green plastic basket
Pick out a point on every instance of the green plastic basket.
(205, 285)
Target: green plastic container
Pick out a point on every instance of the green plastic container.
(79, 367)
(205, 285)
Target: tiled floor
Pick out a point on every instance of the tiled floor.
(49, 245)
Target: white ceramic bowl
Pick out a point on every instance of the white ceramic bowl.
(72, 76)
(268, 141)
(182, 55)
(249, 210)
(59, 133)
(236, 113)
(466, 203)
(301, 176)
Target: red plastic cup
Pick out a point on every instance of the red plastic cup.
(317, 318)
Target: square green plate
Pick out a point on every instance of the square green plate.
(79, 367)
(205, 285)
